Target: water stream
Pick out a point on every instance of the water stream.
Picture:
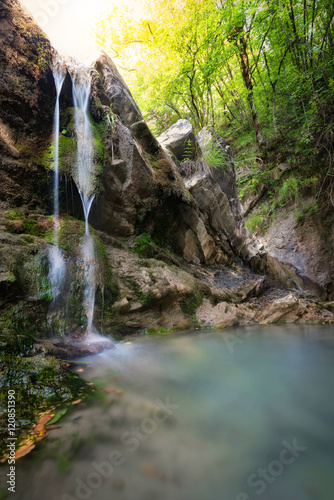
(198, 416)
(57, 264)
(85, 180)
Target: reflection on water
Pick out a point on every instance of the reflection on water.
(202, 416)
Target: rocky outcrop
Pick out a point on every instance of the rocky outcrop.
(224, 175)
(293, 308)
(142, 186)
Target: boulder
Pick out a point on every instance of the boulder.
(180, 140)
(224, 314)
(307, 253)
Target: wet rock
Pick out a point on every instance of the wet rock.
(62, 349)
(27, 97)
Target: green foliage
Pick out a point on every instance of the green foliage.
(289, 192)
(307, 209)
(246, 68)
(142, 243)
(216, 158)
(254, 222)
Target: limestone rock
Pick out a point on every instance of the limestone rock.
(213, 204)
(180, 140)
(224, 315)
(292, 309)
(307, 253)
(225, 176)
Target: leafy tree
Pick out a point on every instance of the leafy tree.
(239, 65)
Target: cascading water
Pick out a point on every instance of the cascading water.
(84, 178)
(84, 175)
(57, 264)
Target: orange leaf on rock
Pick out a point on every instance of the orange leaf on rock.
(25, 448)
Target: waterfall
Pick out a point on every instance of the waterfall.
(57, 264)
(84, 175)
(85, 178)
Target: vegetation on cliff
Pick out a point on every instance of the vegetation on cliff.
(261, 73)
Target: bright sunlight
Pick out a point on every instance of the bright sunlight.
(70, 23)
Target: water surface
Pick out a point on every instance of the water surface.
(237, 414)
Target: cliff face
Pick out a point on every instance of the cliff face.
(152, 230)
(26, 102)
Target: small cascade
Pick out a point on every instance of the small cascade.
(57, 264)
(85, 172)
(85, 178)
(88, 256)
(86, 205)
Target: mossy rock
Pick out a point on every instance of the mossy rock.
(192, 302)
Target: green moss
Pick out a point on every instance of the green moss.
(157, 331)
(142, 244)
(144, 299)
(70, 233)
(30, 226)
(101, 153)
(67, 154)
(192, 302)
(147, 248)
(17, 337)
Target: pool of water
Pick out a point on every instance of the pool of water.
(236, 414)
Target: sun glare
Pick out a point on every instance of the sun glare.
(69, 23)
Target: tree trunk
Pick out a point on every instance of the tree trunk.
(242, 46)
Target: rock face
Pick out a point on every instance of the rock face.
(142, 186)
(26, 102)
(307, 253)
